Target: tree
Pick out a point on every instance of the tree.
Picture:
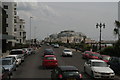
(117, 29)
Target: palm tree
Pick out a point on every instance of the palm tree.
(117, 29)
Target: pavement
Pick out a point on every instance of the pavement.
(4, 54)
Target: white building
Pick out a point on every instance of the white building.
(10, 8)
(119, 11)
(20, 31)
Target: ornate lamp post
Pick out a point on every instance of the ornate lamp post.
(100, 25)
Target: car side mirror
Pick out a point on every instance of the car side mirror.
(108, 65)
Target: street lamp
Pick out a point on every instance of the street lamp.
(30, 28)
(100, 25)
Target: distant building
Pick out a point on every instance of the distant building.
(67, 36)
(20, 30)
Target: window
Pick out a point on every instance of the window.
(20, 40)
(5, 7)
(6, 25)
(15, 29)
(20, 33)
(20, 26)
(15, 21)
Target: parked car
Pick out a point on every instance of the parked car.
(66, 73)
(67, 52)
(49, 61)
(4, 75)
(94, 55)
(19, 52)
(8, 64)
(48, 52)
(114, 63)
(56, 46)
(30, 51)
(86, 54)
(16, 57)
(105, 58)
(26, 51)
(98, 69)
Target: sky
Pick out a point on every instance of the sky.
(53, 17)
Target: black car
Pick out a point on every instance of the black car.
(114, 63)
(48, 52)
(5, 75)
(66, 73)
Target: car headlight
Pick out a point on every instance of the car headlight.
(96, 72)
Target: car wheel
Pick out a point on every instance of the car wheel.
(10, 76)
(92, 74)
(84, 70)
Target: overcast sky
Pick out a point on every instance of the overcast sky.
(53, 17)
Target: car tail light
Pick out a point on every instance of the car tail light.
(60, 76)
(80, 75)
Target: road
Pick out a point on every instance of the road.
(31, 68)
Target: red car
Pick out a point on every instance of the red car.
(94, 55)
(105, 58)
(49, 61)
(86, 54)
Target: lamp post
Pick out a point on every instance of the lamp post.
(30, 30)
(100, 25)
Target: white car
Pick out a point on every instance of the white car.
(98, 69)
(18, 60)
(67, 52)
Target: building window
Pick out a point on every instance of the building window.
(20, 26)
(5, 7)
(20, 33)
(15, 21)
(20, 40)
(15, 29)
(6, 25)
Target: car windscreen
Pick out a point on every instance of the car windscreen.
(6, 62)
(16, 52)
(50, 58)
(70, 73)
(97, 55)
(99, 64)
(67, 51)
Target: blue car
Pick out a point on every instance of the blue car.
(114, 63)
(9, 64)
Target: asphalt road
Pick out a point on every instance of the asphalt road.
(31, 68)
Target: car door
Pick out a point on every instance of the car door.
(88, 67)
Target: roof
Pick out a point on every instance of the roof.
(11, 55)
(49, 56)
(17, 50)
(6, 58)
(64, 68)
(95, 60)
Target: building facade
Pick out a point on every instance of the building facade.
(10, 8)
(20, 31)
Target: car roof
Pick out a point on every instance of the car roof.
(66, 49)
(65, 68)
(95, 60)
(11, 55)
(17, 50)
(49, 56)
(95, 53)
(6, 58)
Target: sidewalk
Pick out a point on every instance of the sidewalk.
(4, 54)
